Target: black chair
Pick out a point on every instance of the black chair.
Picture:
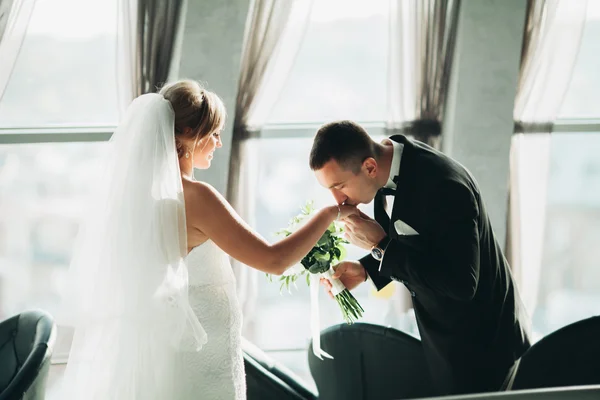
(267, 379)
(26, 344)
(569, 356)
(370, 362)
(563, 393)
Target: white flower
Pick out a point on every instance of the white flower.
(303, 220)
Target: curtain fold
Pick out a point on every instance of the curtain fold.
(148, 39)
(551, 44)
(14, 20)
(272, 38)
(420, 56)
(421, 53)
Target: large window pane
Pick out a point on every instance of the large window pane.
(43, 190)
(65, 72)
(341, 68)
(583, 99)
(569, 287)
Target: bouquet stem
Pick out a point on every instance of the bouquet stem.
(350, 307)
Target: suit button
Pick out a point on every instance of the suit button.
(413, 294)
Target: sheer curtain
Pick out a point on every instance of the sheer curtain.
(148, 42)
(14, 19)
(274, 32)
(551, 43)
(422, 42)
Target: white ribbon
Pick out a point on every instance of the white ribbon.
(337, 288)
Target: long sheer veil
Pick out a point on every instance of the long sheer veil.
(127, 296)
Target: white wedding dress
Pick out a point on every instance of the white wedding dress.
(152, 321)
(217, 371)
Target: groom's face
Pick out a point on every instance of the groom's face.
(348, 186)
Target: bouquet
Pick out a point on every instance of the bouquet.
(328, 251)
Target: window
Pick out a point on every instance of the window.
(341, 68)
(340, 73)
(43, 190)
(582, 100)
(65, 73)
(62, 89)
(569, 281)
(569, 287)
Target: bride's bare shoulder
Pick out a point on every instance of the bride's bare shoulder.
(200, 194)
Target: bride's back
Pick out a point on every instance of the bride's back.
(217, 371)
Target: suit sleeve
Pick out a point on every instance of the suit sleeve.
(445, 257)
(371, 265)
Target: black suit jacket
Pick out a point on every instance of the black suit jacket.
(463, 292)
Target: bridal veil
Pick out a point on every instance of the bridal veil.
(127, 294)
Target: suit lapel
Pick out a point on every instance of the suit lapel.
(381, 215)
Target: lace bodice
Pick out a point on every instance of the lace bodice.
(217, 371)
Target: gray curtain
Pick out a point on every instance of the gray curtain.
(264, 29)
(422, 42)
(149, 35)
(5, 7)
(14, 20)
(271, 43)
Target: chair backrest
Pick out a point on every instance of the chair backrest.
(370, 362)
(267, 379)
(569, 356)
(26, 344)
(563, 393)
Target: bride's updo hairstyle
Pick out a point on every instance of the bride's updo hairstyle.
(196, 108)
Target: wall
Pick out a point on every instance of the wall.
(211, 52)
(479, 114)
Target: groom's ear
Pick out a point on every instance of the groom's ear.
(370, 167)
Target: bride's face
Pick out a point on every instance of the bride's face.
(203, 153)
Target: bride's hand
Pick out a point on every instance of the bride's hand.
(346, 210)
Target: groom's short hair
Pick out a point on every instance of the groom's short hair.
(346, 142)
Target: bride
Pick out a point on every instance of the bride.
(152, 294)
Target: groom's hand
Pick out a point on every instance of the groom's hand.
(350, 273)
(363, 231)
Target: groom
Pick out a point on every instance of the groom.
(437, 240)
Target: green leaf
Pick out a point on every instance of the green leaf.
(315, 268)
(322, 257)
(324, 239)
(337, 252)
(342, 250)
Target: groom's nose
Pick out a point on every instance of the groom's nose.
(339, 197)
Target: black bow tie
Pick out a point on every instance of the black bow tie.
(385, 191)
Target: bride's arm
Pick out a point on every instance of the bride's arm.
(210, 213)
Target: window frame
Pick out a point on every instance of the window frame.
(577, 125)
(76, 134)
(58, 134)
